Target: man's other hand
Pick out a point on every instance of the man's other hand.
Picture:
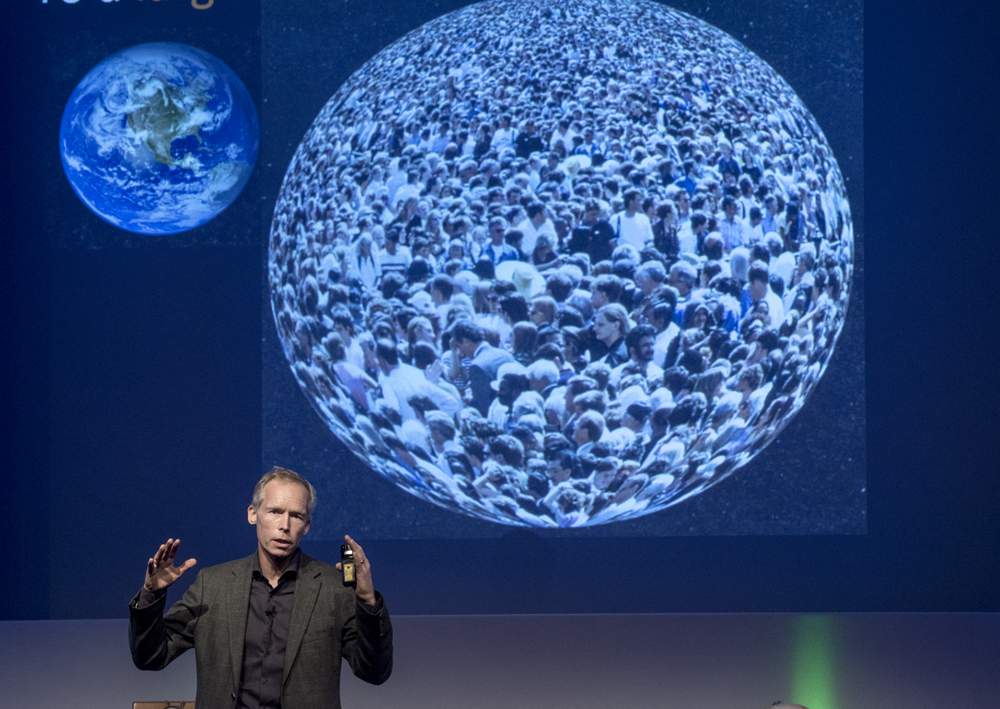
(365, 588)
(161, 571)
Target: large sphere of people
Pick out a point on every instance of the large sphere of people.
(558, 264)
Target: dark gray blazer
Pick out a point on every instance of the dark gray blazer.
(327, 624)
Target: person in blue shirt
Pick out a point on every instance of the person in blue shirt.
(687, 182)
(727, 163)
(497, 250)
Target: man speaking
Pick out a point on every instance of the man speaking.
(270, 630)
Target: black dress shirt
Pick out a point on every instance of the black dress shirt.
(268, 617)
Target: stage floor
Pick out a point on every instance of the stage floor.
(845, 661)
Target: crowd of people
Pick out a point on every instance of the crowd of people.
(560, 265)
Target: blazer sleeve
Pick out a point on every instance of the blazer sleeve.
(366, 642)
(156, 639)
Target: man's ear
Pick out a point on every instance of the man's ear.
(252, 515)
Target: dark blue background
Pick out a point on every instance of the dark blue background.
(134, 398)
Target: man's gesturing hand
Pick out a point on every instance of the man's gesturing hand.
(161, 570)
(365, 588)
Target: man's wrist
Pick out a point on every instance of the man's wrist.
(148, 597)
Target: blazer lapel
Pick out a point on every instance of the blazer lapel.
(238, 601)
(307, 588)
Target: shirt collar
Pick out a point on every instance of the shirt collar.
(292, 570)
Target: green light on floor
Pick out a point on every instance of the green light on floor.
(813, 671)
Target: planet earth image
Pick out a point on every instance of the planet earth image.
(159, 138)
(560, 264)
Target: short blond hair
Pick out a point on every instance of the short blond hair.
(279, 473)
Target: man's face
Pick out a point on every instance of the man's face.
(605, 329)
(282, 518)
(730, 210)
(700, 318)
(466, 348)
(425, 331)
(644, 352)
(343, 331)
(557, 473)
(590, 216)
(505, 391)
(604, 477)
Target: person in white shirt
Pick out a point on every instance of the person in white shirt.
(639, 343)
(732, 228)
(759, 289)
(343, 325)
(442, 287)
(564, 134)
(536, 224)
(746, 199)
(755, 226)
(631, 225)
(401, 382)
(442, 433)
(589, 429)
(661, 317)
(503, 136)
(365, 264)
(397, 177)
(691, 232)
